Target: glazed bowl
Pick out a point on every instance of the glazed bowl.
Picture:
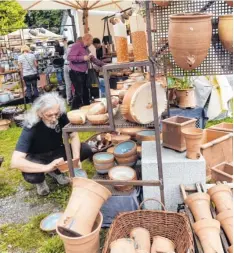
(127, 161)
(49, 223)
(123, 173)
(98, 119)
(76, 117)
(103, 158)
(103, 168)
(63, 167)
(145, 135)
(116, 139)
(130, 131)
(125, 149)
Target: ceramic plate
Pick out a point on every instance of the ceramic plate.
(48, 224)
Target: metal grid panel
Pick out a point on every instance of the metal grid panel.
(218, 62)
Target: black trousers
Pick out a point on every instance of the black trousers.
(37, 178)
(82, 93)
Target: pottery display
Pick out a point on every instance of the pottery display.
(222, 172)
(189, 38)
(163, 3)
(100, 119)
(103, 161)
(125, 149)
(225, 29)
(145, 135)
(116, 139)
(76, 117)
(88, 243)
(123, 173)
(226, 220)
(172, 132)
(230, 249)
(208, 232)
(127, 161)
(141, 237)
(124, 245)
(63, 166)
(186, 98)
(221, 195)
(193, 139)
(4, 124)
(137, 105)
(84, 204)
(224, 127)
(162, 244)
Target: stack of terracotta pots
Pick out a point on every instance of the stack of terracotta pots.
(81, 222)
(103, 162)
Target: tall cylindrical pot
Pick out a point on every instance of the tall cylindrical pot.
(189, 38)
(226, 31)
(162, 244)
(226, 220)
(186, 98)
(221, 195)
(193, 138)
(208, 231)
(122, 245)
(199, 204)
(83, 207)
(89, 243)
(141, 237)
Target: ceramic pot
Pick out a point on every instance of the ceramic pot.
(84, 204)
(225, 29)
(226, 220)
(88, 243)
(189, 38)
(4, 124)
(103, 158)
(76, 117)
(125, 149)
(222, 172)
(162, 244)
(208, 232)
(141, 237)
(145, 135)
(230, 249)
(221, 195)
(63, 167)
(230, 3)
(186, 98)
(111, 150)
(116, 139)
(163, 3)
(127, 161)
(199, 204)
(122, 245)
(193, 139)
(130, 131)
(103, 168)
(100, 119)
(97, 109)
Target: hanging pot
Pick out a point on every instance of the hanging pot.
(230, 3)
(226, 220)
(141, 237)
(84, 204)
(189, 38)
(221, 195)
(163, 3)
(199, 204)
(162, 244)
(193, 139)
(208, 231)
(226, 31)
(122, 245)
(186, 98)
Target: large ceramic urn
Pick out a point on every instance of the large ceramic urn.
(137, 104)
(226, 31)
(189, 38)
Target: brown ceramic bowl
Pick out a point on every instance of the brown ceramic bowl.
(98, 119)
(145, 135)
(103, 168)
(127, 161)
(63, 167)
(103, 158)
(116, 139)
(125, 149)
(111, 150)
(131, 131)
(76, 117)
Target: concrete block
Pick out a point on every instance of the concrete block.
(177, 169)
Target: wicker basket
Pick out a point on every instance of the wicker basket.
(174, 226)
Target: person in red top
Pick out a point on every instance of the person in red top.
(79, 57)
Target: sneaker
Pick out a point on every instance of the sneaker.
(60, 178)
(43, 189)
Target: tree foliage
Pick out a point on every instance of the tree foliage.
(12, 16)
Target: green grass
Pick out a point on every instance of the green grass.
(215, 122)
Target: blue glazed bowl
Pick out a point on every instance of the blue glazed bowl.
(48, 224)
(145, 135)
(103, 158)
(125, 149)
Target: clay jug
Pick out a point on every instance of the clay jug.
(123, 245)
(230, 249)
(199, 204)
(208, 232)
(84, 204)
(226, 31)
(221, 195)
(226, 220)
(189, 38)
(193, 139)
(141, 237)
(162, 245)
(89, 243)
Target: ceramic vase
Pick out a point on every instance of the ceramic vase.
(225, 29)
(141, 237)
(189, 39)
(162, 244)
(226, 220)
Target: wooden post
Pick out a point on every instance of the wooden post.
(85, 20)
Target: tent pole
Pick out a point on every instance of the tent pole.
(73, 24)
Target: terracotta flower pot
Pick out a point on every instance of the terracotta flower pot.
(230, 249)
(208, 232)
(189, 38)
(199, 204)
(63, 167)
(122, 245)
(141, 237)
(226, 220)
(193, 138)
(162, 244)
(89, 243)
(221, 195)
(226, 31)
(163, 3)
(84, 204)
(186, 98)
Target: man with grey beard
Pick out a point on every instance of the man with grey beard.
(40, 147)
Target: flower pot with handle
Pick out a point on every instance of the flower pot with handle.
(199, 204)
(84, 204)
(221, 195)
(208, 232)
(141, 237)
(186, 98)
(226, 220)
(193, 138)
(162, 244)
(225, 29)
(189, 38)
